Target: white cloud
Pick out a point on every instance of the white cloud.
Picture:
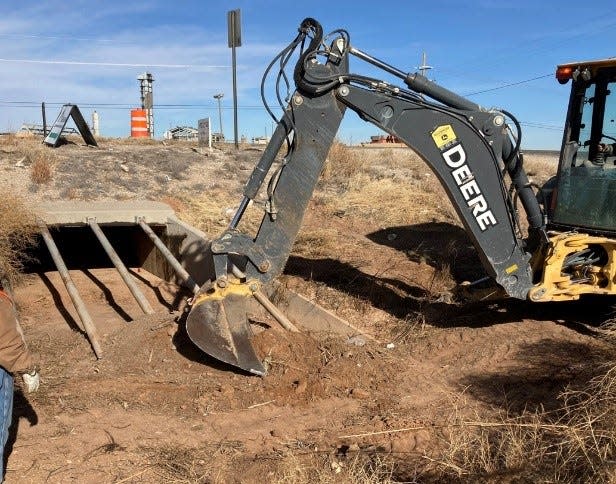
(26, 34)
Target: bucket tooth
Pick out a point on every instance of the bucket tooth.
(218, 325)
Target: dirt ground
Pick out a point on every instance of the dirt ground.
(366, 409)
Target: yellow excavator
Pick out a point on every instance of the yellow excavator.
(564, 251)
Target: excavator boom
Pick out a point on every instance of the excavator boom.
(467, 147)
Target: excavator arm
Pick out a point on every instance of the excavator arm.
(467, 147)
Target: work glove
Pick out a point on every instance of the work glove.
(31, 380)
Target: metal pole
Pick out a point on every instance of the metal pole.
(119, 265)
(234, 26)
(218, 97)
(180, 271)
(275, 312)
(220, 118)
(44, 120)
(88, 324)
(234, 97)
(262, 298)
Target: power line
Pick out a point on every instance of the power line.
(60, 37)
(508, 85)
(532, 124)
(113, 64)
(122, 106)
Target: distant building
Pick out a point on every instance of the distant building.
(218, 138)
(384, 138)
(183, 133)
(260, 140)
(37, 129)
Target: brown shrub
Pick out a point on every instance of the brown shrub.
(574, 443)
(17, 230)
(342, 164)
(41, 171)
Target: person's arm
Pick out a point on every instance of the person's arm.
(15, 357)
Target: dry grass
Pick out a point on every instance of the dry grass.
(17, 230)
(393, 202)
(410, 329)
(209, 214)
(316, 243)
(356, 468)
(540, 168)
(189, 465)
(393, 186)
(342, 164)
(576, 443)
(134, 141)
(213, 212)
(42, 166)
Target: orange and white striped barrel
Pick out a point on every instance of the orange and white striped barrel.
(139, 123)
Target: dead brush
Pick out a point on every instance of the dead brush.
(178, 168)
(392, 202)
(175, 464)
(318, 468)
(540, 167)
(412, 328)
(8, 142)
(342, 164)
(442, 281)
(17, 233)
(212, 213)
(316, 243)
(575, 443)
(41, 170)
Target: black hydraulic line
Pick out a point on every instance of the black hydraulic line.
(260, 171)
(267, 158)
(523, 187)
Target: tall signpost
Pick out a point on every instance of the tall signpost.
(234, 26)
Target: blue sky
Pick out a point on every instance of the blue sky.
(90, 53)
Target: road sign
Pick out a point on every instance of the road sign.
(68, 111)
(234, 27)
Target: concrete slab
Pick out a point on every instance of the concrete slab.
(118, 212)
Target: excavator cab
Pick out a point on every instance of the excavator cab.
(580, 202)
(585, 195)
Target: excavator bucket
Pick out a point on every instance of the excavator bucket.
(218, 325)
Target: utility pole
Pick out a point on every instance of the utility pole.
(234, 26)
(147, 100)
(218, 97)
(423, 68)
